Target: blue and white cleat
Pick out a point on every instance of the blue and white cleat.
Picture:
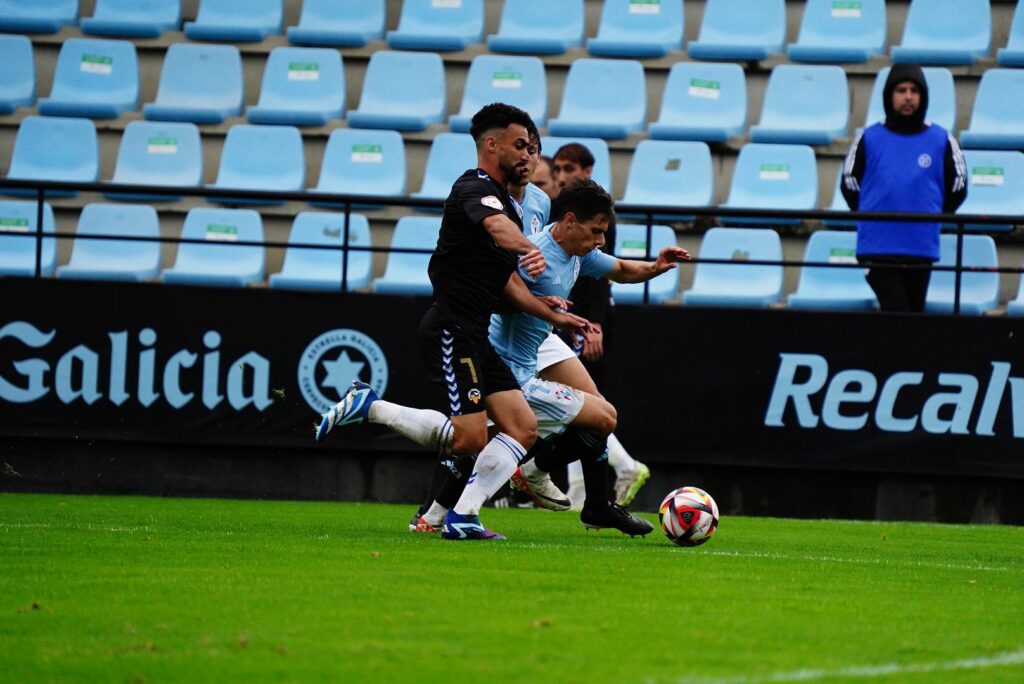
(354, 408)
(464, 527)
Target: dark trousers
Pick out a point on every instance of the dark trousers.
(899, 289)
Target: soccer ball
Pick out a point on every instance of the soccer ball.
(688, 516)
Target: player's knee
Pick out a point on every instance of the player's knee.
(468, 442)
(609, 419)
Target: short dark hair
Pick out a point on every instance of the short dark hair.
(577, 154)
(584, 198)
(534, 134)
(498, 115)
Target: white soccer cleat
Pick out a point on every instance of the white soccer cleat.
(538, 485)
(628, 485)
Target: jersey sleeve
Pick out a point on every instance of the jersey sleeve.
(597, 264)
(478, 200)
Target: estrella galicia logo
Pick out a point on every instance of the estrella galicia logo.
(332, 361)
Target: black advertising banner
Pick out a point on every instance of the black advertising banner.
(220, 366)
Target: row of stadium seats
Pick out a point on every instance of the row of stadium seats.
(371, 162)
(225, 264)
(406, 91)
(936, 31)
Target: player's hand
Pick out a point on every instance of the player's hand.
(532, 263)
(593, 343)
(555, 302)
(572, 324)
(668, 257)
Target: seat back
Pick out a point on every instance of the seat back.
(217, 260)
(721, 283)
(744, 22)
(94, 77)
(842, 287)
(406, 83)
(228, 20)
(839, 204)
(37, 157)
(262, 158)
(115, 259)
(995, 185)
(539, 26)
(450, 155)
(602, 172)
(329, 22)
(363, 162)
(804, 104)
(670, 172)
(39, 16)
(621, 99)
(941, 97)
(703, 101)
(17, 251)
(658, 23)
(832, 23)
(305, 266)
(137, 18)
(960, 24)
(631, 243)
(998, 104)
(198, 83)
(979, 292)
(431, 24)
(518, 81)
(301, 86)
(159, 153)
(17, 73)
(406, 273)
(1015, 41)
(773, 177)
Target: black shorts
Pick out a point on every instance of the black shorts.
(464, 369)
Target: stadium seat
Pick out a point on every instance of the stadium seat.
(363, 162)
(995, 120)
(36, 157)
(198, 83)
(821, 287)
(979, 291)
(159, 153)
(995, 186)
(945, 32)
(450, 155)
(616, 109)
(301, 87)
(1016, 306)
(839, 204)
(840, 32)
(114, 259)
(539, 27)
(702, 101)
(443, 25)
(602, 172)
(740, 30)
(773, 177)
(519, 81)
(804, 104)
(941, 97)
(231, 21)
(1013, 53)
(223, 263)
(38, 16)
(320, 269)
(17, 253)
(95, 78)
(406, 272)
(638, 28)
(133, 18)
(338, 24)
(261, 158)
(670, 173)
(402, 91)
(631, 243)
(17, 73)
(739, 284)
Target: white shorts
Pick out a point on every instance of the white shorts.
(555, 405)
(552, 350)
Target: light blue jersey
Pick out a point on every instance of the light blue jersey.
(517, 336)
(536, 209)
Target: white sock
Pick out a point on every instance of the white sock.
(618, 457)
(435, 515)
(423, 426)
(494, 466)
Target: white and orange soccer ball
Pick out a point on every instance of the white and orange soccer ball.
(688, 516)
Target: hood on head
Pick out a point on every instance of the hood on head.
(898, 74)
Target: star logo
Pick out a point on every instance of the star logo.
(341, 372)
(333, 360)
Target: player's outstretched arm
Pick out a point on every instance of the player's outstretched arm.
(634, 271)
(508, 236)
(519, 296)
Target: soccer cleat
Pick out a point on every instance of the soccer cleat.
(628, 485)
(354, 408)
(465, 527)
(415, 520)
(617, 517)
(538, 486)
(418, 524)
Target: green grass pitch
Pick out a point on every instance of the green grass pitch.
(126, 589)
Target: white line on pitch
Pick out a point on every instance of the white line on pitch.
(864, 561)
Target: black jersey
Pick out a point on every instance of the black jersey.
(468, 269)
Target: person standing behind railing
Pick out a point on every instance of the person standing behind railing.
(903, 164)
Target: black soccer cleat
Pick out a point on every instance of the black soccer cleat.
(617, 517)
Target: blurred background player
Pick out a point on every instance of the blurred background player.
(544, 178)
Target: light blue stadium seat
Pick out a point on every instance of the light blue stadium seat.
(450, 155)
(402, 91)
(518, 81)
(338, 24)
(979, 291)
(17, 73)
(804, 104)
(995, 186)
(262, 158)
(602, 172)
(320, 269)
(670, 173)
(230, 20)
(406, 273)
(945, 32)
(740, 30)
(114, 259)
(17, 253)
(638, 28)
(614, 110)
(95, 78)
(1013, 53)
(996, 119)
(773, 177)
(737, 284)
(363, 162)
(159, 153)
(702, 101)
(839, 204)
(821, 287)
(443, 25)
(941, 97)
(631, 243)
(198, 83)
(539, 27)
(301, 87)
(1016, 306)
(37, 16)
(839, 32)
(133, 18)
(37, 156)
(217, 261)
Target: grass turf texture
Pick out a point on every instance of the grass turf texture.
(146, 589)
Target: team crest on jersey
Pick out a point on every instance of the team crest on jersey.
(924, 161)
(492, 202)
(564, 396)
(474, 395)
(535, 224)
(575, 269)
